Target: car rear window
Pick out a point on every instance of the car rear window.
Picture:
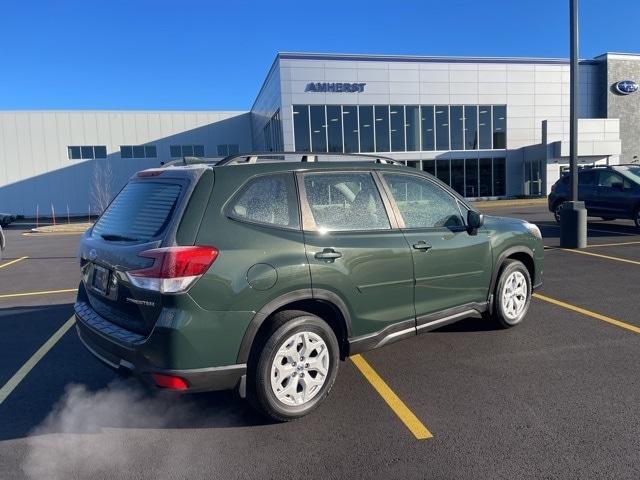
(140, 212)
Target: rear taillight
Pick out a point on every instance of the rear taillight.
(174, 269)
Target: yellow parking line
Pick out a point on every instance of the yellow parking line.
(45, 292)
(13, 261)
(14, 381)
(414, 425)
(589, 313)
(612, 244)
(607, 257)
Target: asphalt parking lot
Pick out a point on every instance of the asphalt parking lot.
(555, 397)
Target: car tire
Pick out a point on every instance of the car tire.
(512, 295)
(556, 210)
(636, 217)
(280, 373)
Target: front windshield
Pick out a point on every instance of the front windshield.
(632, 172)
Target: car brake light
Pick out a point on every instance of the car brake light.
(169, 381)
(174, 269)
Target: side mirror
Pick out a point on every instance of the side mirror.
(474, 221)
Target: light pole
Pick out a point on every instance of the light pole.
(573, 216)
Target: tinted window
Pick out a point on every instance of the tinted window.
(412, 128)
(100, 151)
(187, 150)
(422, 203)
(318, 128)
(486, 179)
(366, 130)
(442, 127)
(269, 199)
(484, 125)
(301, 128)
(429, 166)
(87, 152)
(397, 128)
(382, 129)
(457, 175)
(74, 153)
(141, 211)
(499, 126)
(334, 128)
(470, 127)
(428, 134)
(457, 121)
(350, 122)
(198, 150)
(126, 152)
(175, 151)
(150, 151)
(138, 151)
(499, 177)
(587, 178)
(442, 170)
(345, 201)
(608, 179)
(471, 175)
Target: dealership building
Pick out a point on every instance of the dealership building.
(489, 127)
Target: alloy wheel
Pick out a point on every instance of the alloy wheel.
(514, 295)
(300, 368)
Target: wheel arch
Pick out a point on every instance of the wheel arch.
(322, 303)
(521, 253)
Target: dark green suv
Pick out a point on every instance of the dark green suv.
(261, 272)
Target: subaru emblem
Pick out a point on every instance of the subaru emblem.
(93, 254)
(626, 87)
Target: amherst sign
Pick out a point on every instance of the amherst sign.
(335, 87)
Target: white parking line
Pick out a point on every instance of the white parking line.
(14, 381)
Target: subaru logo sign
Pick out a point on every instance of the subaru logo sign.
(335, 87)
(93, 254)
(625, 87)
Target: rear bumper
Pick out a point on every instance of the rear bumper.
(110, 345)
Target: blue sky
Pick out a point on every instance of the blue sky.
(213, 55)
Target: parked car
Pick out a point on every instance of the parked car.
(610, 192)
(262, 275)
(3, 242)
(6, 219)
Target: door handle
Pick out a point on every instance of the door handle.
(422, 246)
(328, 254)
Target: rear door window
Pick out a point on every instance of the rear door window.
(341, 201)
(140, 212)
(268, 200)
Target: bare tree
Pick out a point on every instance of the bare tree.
(101, 185)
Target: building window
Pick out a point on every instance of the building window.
(334, 128)
(395, 128)
(272, 134)
(367, 138)
(86, 152)
(301, 134)
(177, 151)
(412, 127)
(138, 151)
(350, 128)
(470, 177)
(317, 116)
(428, 132)
(227, 149)
(499, 126)
(470, 127)
(484, 126)
(381, 115)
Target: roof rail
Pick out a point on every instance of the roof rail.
(253, 157)
(192, 161)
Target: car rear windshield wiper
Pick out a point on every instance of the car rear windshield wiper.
(116, 237)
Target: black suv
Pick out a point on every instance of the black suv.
(610, 192)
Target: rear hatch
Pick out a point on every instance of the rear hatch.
(147, 213)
